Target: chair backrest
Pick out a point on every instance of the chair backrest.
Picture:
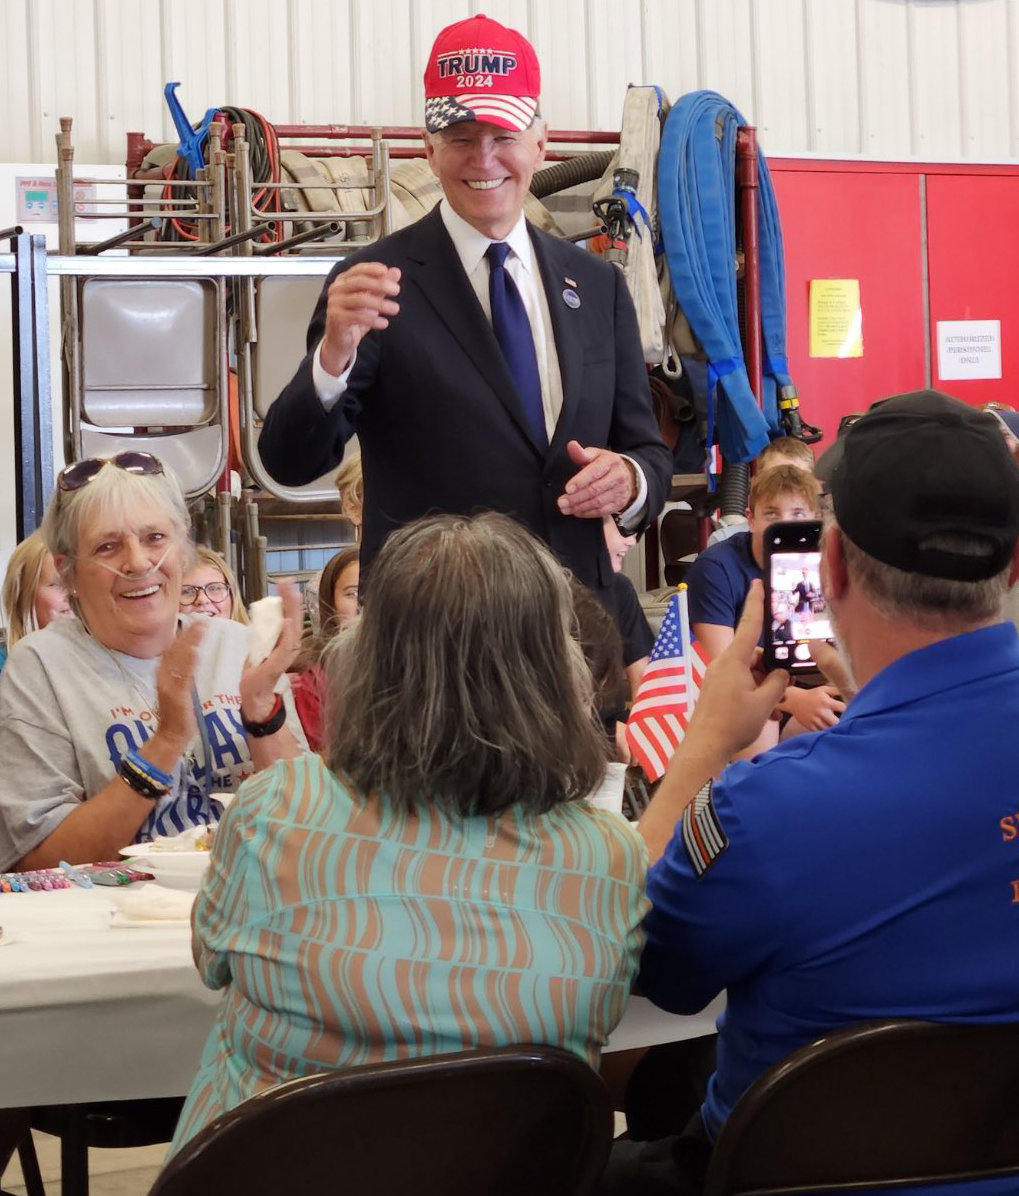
(148, 352)
(877, 1103)
(283, 304)
(500, 1121)
(680, 535)
(147, 371)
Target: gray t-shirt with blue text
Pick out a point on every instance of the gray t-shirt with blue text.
(71, 709)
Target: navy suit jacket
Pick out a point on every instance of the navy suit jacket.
(438, 417)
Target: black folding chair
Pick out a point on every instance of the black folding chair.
(680, 537)
(501, 1121)
(16, 1136)
(110, 1125)
(889, 1102)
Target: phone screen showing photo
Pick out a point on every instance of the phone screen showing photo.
(798, 612)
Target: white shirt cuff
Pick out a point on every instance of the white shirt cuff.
(328, 387)
(633, 511)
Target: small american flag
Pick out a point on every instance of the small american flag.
(667, 693)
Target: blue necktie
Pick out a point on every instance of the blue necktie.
(513, 332)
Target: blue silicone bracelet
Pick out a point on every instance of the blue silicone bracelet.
(150, 770)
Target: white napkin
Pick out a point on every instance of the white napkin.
(609, 794)
(266, 617)
(153, 905)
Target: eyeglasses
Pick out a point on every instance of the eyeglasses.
(82, 472)
(215, 591)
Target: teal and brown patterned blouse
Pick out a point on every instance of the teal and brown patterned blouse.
(345, 932)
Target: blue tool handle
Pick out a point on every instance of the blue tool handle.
(180, 121)
(191, 140)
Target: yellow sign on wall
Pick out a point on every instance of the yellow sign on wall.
(836, 318)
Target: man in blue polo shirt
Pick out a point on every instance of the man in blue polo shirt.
(871, 870)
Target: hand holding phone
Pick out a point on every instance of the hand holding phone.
(833, 667)
(795, 611)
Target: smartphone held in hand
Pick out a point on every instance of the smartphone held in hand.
(795, 611)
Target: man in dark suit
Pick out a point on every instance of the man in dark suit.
(804, 593)
(414, 346)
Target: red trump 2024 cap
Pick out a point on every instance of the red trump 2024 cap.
(480, 70)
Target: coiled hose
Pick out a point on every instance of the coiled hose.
(733, 489)
(265, 168)
(582, 168)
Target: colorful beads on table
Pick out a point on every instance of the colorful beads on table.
(42, 879)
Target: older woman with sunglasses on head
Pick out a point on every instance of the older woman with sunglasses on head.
(130, 721)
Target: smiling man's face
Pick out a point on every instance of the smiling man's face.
(486, 171)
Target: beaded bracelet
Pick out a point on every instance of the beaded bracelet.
(156, 775)
(133, 776)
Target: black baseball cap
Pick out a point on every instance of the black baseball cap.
(923, 463)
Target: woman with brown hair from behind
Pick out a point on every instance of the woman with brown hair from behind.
(437, 867)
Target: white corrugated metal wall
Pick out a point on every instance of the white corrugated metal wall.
(929, 79)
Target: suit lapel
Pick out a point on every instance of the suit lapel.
(565, 321)
(440, 277)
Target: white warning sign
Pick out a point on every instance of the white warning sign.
(969, 349)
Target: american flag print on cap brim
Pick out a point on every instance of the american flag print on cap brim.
(703, 835)
(508, 112)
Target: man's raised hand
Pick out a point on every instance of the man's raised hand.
(360, 299)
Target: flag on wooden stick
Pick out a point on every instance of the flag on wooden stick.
(668, 691)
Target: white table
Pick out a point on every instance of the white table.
(89, 1012)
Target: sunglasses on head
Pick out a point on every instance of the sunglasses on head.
(82, 472)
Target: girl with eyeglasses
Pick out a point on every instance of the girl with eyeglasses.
(211, 589)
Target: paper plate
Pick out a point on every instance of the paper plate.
(149, 851)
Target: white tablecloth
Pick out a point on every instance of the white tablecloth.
(89, 1012)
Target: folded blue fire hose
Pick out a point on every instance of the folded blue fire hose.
(696, 201)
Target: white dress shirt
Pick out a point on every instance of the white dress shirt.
(471, 247)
